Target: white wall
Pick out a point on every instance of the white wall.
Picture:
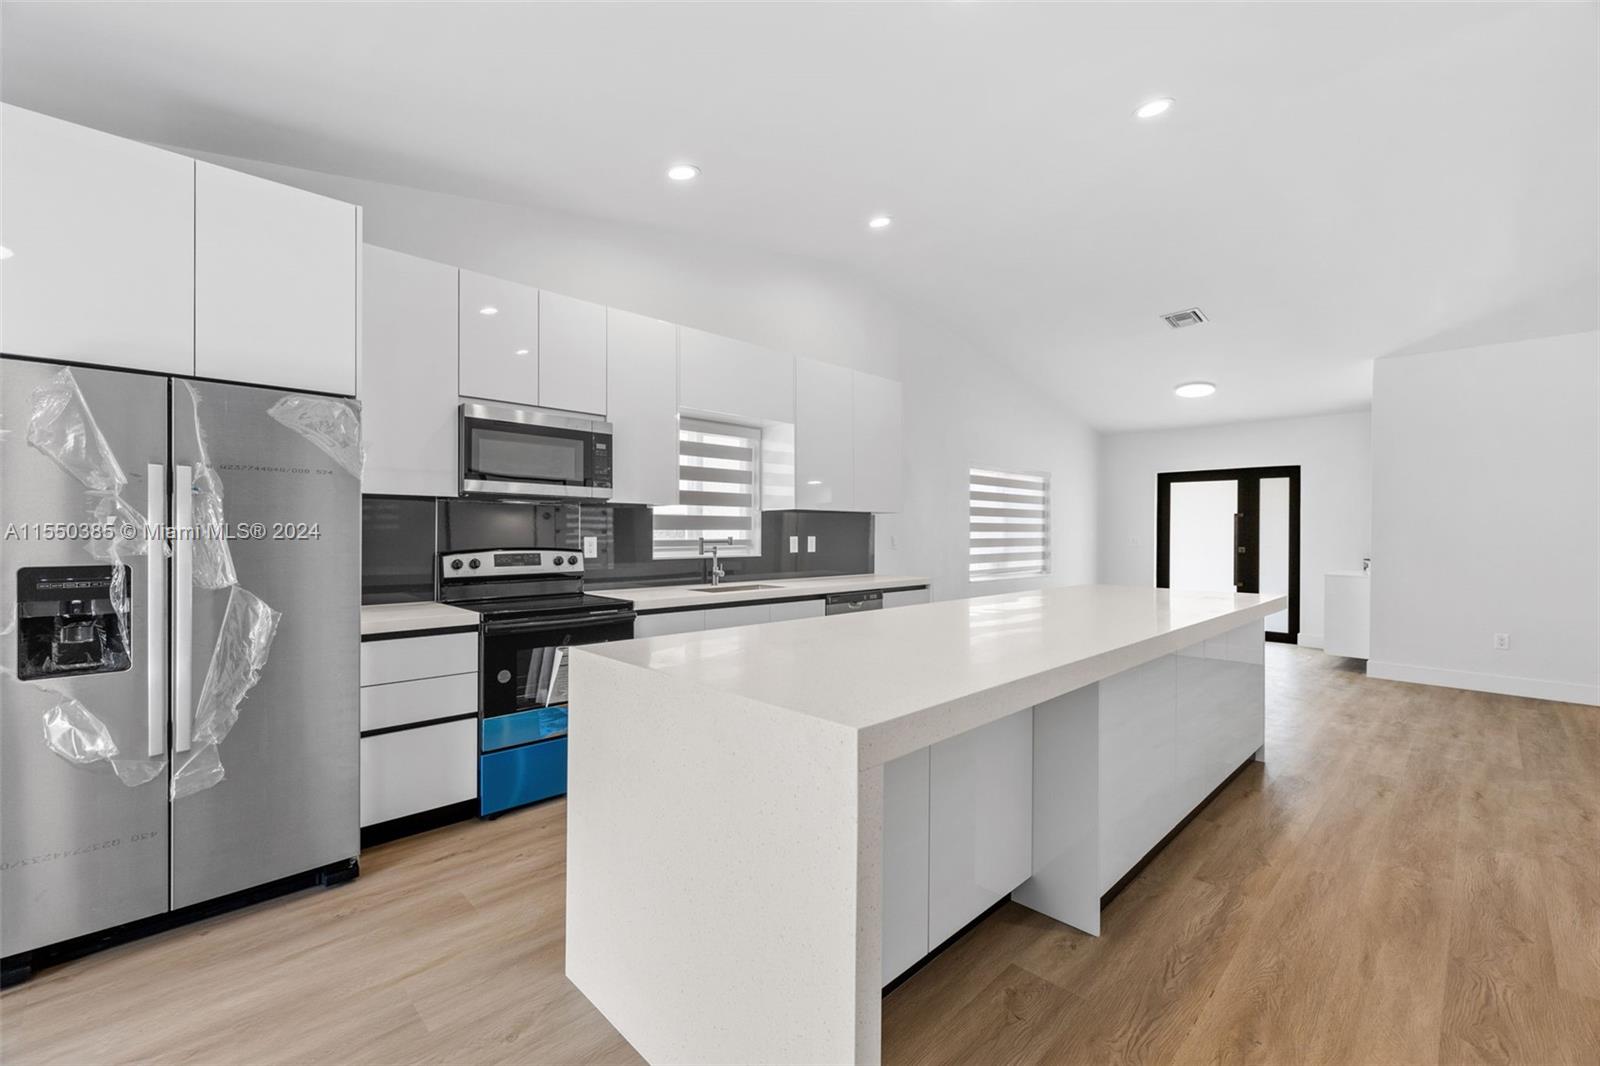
(1486, 518)
(1335, 460)
(963, 406)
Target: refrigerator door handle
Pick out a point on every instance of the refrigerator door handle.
(155, 610)
(182, 605)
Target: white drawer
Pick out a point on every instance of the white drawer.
(418, 770)
(905, 597)
(404, 702)
(659, 625)
(408, 658)
(744, 615)
(782, 612)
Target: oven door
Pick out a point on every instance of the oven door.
(521, 659)
(520, 451)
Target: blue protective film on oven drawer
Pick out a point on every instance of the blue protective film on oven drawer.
(533, 772)
(523, 727)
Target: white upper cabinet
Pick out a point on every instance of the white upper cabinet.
(408, 374)
(572, 354)
(101, 232)
(642, 354)
(720, 376)
(499, 340)
(824, 434)
(878, 444)
(275, 292)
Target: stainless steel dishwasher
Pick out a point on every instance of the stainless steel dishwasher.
(852, 602)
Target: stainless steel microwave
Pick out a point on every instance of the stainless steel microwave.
(526, 451)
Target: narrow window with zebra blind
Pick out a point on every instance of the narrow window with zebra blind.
(1008, 515)
(719, 483)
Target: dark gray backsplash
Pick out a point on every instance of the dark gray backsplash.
(399, 535)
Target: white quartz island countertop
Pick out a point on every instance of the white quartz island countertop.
(907, 678)
(674, 597)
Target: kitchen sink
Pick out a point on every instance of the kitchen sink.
(732, 588)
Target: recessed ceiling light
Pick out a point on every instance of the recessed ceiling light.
(880, 222)
(5, 253)
(1194, 390)
(1152, 108)
(683, 172)
(813, 483)
(522, 351)
(488, 310)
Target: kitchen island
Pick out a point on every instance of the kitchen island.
(767, 824)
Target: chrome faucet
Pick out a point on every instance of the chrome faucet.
(717, 573)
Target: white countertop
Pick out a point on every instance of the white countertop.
(669, 597)
(907, 678)
(406, 617)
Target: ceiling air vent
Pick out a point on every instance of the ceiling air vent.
(1191, 317)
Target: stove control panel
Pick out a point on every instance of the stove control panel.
(509, 562)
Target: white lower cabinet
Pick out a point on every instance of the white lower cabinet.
(905, 863)
(745, 614)
(980, 821)
(783, 612)
(905, 597)
(425, 699)
(415, 770)
(660, 625)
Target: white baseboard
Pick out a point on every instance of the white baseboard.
(1502, 684)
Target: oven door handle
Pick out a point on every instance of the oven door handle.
(496, 629)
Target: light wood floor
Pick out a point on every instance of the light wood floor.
(1412, 877)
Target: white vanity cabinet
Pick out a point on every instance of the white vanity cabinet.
(101, 235)
(572, 354)
(642, 406)
(408, 375)
(499, 340)
(275, 283)
(722, 376)
(824, 436)
(879, 445)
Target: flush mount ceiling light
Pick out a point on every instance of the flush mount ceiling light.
(522, 351)
(879, 222)
(1194, 390)
(5, 253)
(683, 172)
(1152, 108)
(488, 310)
(813, 482)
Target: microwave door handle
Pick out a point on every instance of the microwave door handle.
(155, 610)
(182, 606)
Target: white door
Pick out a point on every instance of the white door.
(499, 340)
(275, 283)
(824, 436)
(1273, 577)
(1202, 536)
(572, 354)
(642, 400)
(408, 375)
(101, 235)
(879, 444)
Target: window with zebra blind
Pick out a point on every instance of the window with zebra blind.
(1008, 518)
(719, 485)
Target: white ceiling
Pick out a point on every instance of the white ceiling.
(1336, 182)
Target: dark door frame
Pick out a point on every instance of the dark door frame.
(1246, 535)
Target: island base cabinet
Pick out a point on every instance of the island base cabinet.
(980, 821)
(905, 863)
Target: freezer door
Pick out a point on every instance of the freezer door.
(289, 797)
(80, 851)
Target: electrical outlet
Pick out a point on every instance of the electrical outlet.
(1502, 642)
(811, 544)
(794, 545)
(591, 547)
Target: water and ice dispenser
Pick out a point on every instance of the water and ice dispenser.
(72, 620)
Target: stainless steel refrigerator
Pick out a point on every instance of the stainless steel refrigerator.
(178, 706)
